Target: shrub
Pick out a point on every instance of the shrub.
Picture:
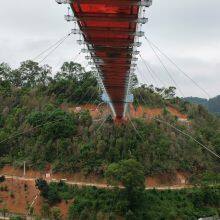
(2, 179)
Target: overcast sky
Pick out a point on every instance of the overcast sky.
(188, 31)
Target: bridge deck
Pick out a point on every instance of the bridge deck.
(109, 26)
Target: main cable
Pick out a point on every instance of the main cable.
(183, 72)
(152, 72)
(136, 130)
(102, 124)
(50, 47)
(74, 60)
(189, 136)
(141, 75)
(38, 126)
(166, 70)
(16, 134)
(60, 43)
(29, 130)
(183, 133)
(152, 76)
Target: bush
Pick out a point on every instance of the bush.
(16, 218)
(56, 213)
(2, 179)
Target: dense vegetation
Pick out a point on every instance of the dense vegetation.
(213, 104)
(30, 105)
(92, 203)
(34, 127)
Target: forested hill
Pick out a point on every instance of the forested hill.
(35, 127)
(213, 104)
(31, 99)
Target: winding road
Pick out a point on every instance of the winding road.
(98, 185)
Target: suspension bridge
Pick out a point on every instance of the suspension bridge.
(111, 32)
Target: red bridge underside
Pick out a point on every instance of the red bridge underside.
(109, 26)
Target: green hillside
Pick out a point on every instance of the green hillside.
(34, 128)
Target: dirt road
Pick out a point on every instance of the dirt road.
(98, 185)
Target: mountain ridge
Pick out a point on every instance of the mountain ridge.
(213, 104)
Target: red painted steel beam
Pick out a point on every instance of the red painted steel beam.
(103, 17)
(111, 2)
(109, 26)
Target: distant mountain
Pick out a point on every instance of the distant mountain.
(213, 105)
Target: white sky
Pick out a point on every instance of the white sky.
(188, 31)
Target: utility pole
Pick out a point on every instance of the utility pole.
(24, 174)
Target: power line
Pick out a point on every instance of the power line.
(165, 68)
(50, 47)
(183, 72)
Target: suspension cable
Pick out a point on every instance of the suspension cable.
(50, 47)
(29, 130)
(183, 133)
(166, 70)
(189, 136)
(74, 60)
(60, 43)
(102, 124)
(151, 71)
(145, 79)
(178, 68)
(136, 130)
(16, 134)
(38, 126)
(152, 76)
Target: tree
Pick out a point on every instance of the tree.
(49, 192)
(31, 74)
(5, 71)
(45, 210)
(130, 215)
(85, 119)
(42, 185)
(56, 213)
(55, 123)
(85, 214)
(4, 210)
(130, 173)
(170, 92)
(15, 78)
(74, 84)
(44, 76)
(2, 179)
(53, 196)
(70, 71)
(16, 218)
(1, 121)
